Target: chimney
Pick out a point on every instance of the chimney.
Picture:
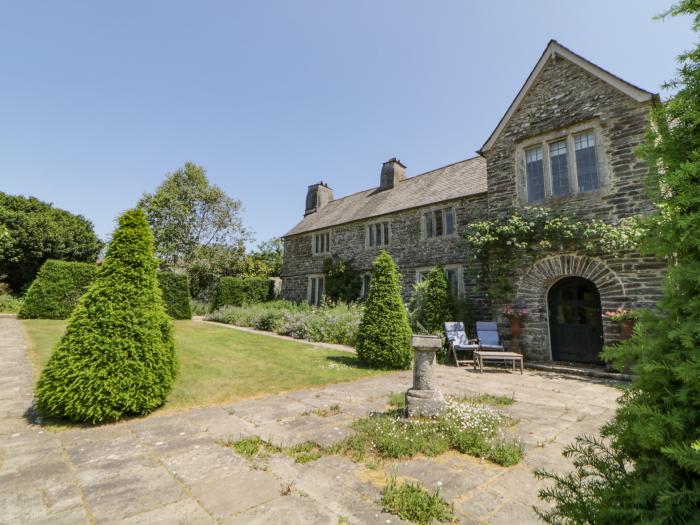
(317, 197)
(393, 172)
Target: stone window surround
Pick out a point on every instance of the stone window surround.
(372, 225)
(460, 274)
(313, 242)
(436, 207)
(317, 276)
(544, 140)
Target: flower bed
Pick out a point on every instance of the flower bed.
(327, 324)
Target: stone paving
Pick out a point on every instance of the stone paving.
(170, 469)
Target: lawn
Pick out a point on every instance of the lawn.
(219, 364)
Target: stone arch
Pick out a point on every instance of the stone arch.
(533, 287)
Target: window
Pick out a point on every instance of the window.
(378, 234)
(439, 223)
(321, 243)
(535, 174)
(453, 275)
(366, 282)
(549, 169)
(316, 289)
(586, 162)
(559, 167)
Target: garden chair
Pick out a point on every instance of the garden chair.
(459, 342)
(491, 349)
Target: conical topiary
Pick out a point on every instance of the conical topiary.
(117, 356)
(384, 338)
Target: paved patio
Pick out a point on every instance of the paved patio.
(170, 469)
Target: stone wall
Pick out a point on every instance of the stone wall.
(563, 98)
(408, 248)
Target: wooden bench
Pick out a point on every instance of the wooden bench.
(482, 355)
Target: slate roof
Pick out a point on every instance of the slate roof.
(454, 181)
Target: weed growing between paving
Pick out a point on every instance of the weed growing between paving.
(397, 399)
(332, 410)
(487, 399)
(410, 501)
(256, 449)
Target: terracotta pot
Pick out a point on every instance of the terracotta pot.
(516, 326)
(626, 328)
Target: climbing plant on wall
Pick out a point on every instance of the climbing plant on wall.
(501, 244)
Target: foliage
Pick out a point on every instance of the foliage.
(410, 501)
(431, 305)
(512, 311)
(32, 231)
(188, 213)
(645, 469)
(117, 357)
(238, 291)
(175, 288)
(343, 280)
(271, 253)
(200, 307)
(328, 324)
(500, 243)
(9, 303)
(466, 427)
(208, 264)
(385, 335)
(56, 289)
(620, 314)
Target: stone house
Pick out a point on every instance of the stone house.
(566, 142)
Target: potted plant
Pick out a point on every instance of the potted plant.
(625, 318)
(515, 315)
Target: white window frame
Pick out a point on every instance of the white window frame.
(423, 270)
(387, 229)
(544, 142)
(432, 210)
(324, 244)
(318, 299)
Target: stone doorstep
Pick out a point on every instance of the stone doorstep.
(577, 371)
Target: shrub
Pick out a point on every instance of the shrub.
(117, 356)
(409, 501)
(384, 339)
(431, 304)
(343, 280)
(56, 289)
(237, 291)
(176, 294)
(10, 304)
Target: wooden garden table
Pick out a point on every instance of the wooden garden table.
(482, 355)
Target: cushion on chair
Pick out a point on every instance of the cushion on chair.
(456, 335)
(487, 332)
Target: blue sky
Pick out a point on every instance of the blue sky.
(99, 100)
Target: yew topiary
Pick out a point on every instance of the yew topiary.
(432, 304)
(117, 357)
(384, 339)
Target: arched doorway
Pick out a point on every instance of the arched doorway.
(575, 321)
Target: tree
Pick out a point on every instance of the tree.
(32, 231)
(343, 280)
(187, 213)
(431, 304)
(117, 356)
(384, 338)
(271, 253)
(646, 466)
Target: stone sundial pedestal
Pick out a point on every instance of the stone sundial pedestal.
(423, 400)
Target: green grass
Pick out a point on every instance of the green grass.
(410, 501)
(397, 399)
(487, 399)
(254, 448)
(218, 364)
(9, 304)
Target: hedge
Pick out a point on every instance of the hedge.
(238, 291)
(56, 289)
(176, 294)
(117, 356)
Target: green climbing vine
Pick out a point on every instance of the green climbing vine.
(502, 244)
